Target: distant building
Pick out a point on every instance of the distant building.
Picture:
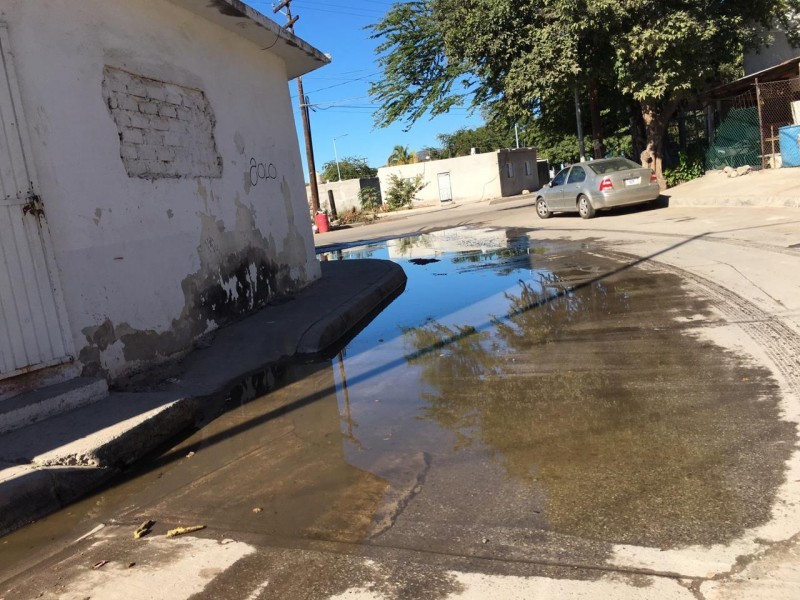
(345, 193)
(506, 172)
(779, 51)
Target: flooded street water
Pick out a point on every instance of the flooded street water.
(574, 401)
(522, 398)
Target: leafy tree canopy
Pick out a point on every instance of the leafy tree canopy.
(483, 139)
(513, 57)
(351, 167)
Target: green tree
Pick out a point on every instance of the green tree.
(401, 156)
(351, 167)
(484, 139)
(515, 57)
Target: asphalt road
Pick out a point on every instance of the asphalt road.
(662, 396)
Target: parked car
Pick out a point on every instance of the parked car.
(597, 185)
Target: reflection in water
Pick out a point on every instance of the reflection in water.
(633, 431)
(517, 395)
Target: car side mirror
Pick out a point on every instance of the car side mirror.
(549, 184)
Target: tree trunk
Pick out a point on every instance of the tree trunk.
(598, 143)
(638, 135)
(655, 124)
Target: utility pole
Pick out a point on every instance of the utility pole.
(312, 168)
(336, 155)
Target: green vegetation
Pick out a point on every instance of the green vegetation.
(520, 61)
(370, 199)
(351, 167)
(401, 156)
(402, 191)
(690, 166)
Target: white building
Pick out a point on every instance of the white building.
(470, 178)
(151, 186)
(780, 50)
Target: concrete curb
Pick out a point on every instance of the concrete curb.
(239, 362)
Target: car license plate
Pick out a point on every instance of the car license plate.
(633, 181)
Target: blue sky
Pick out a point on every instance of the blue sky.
(345, 109)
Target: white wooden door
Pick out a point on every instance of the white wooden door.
(33, 326)
(445, 191)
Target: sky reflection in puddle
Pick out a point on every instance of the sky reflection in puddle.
(524, 359)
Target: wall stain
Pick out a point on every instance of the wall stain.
(226, 9)
(239, 141)
(98, 214)
(241, 271)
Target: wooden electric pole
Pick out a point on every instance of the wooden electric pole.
(312, 168)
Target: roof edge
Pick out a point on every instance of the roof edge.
(244, 20)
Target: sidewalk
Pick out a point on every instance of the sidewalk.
(771, 187)
(53, 462)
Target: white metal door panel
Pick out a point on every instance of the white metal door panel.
(33, 332)
(445, 192)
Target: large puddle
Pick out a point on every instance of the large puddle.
(521, 398)
(573, 389)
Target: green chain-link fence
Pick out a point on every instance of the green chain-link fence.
(737, 141)
(750, 130)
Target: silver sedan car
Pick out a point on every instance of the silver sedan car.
(597, 185)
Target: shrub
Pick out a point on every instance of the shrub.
(402, 191)
(689, 167)
(370, 198)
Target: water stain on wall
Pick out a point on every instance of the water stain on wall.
(241, 271)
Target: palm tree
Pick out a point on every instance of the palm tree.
(401, 156)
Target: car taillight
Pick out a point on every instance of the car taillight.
(653, 178)
(606, 185)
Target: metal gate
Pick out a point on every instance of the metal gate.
(445, 192)
(33, 332)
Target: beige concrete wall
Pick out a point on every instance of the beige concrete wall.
(345, 193)
(169, 214)
(472, 178)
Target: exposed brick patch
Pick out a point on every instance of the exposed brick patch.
(165, 130)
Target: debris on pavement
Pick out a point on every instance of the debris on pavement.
(99, 564)
(258, 509)
(86, 535)
(184, 530)
(143, 529)
(190, 455)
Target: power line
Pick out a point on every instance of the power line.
(346, 10)
(345, 82)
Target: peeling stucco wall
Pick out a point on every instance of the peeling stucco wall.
(162, 235)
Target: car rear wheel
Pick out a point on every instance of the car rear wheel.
(585, 207)
(542, 209)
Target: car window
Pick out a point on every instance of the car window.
(560, 178)
(576, 175)
(613, 165)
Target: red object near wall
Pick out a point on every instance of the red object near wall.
(321, 219)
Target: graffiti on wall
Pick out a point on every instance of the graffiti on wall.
(260, 170)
